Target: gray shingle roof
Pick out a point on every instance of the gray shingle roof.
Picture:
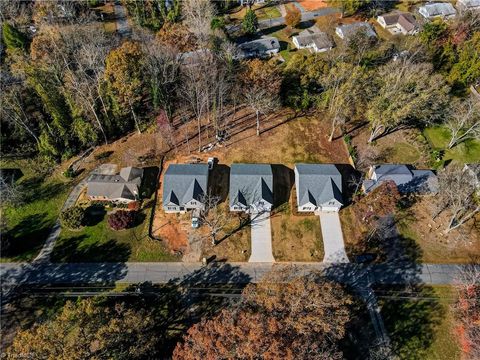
(250, 183)
(318, 184)
(407, 179)
(350, 30)
(439, 9)
(260, 46)
(123, 186)
(184, 182)
(320, 39)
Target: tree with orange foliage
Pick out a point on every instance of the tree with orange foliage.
(283, 317)
(467, 311)
(293, 17)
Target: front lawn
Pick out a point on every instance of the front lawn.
(99, 243)
(465, 152)
(296, 237)
(420, 321)
(28, 224)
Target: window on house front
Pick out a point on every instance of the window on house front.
(171, 208)
(331, 203)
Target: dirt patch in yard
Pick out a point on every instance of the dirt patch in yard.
(461, 245)
(311, 5)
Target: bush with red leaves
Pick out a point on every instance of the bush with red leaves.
(121, 219)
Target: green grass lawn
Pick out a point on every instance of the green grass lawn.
(268, 12)
(465, 152)
(421, 327)
(28, 224)
(98, 242)
(404, 153)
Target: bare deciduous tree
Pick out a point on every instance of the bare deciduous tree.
(464, 121)
(198, 15)
(212, 216)
(261, 101)
(459, 193)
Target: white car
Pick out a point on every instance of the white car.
(195, 222)
(211, 162)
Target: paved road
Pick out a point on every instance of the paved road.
(123, 28)
(261, 238)
(89, 273)
(278, 21)
(332, 238)
(46, 251)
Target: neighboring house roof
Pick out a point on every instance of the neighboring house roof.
(318, 184)
(406, 178)
(251, 183)
(438, 9)
(405, 20)
(310, 37)
(184, 182)
(470, 3)
(126, 185)
(260, 46)
(350, 30)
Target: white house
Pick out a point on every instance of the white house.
(184, 187)
(346, 32)
(251, 188)
(313, 39)
(437, 10)
(468, 5)
(398, 23)
(318, 187)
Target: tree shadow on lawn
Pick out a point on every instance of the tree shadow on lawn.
(149, 181)
(411, 315)
(71, 250)
(185, 301)
(26, 238)
(94, 214)
(34, 189)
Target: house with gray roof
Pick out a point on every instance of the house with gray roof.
(398, 22)
(262, 48)
(184, 186)
(442, 10)
(313, 39)
(318, 187)
(468, 5)
(348, 31)
(121, 188)
(251, 188)
(407, 179)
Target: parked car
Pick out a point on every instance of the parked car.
(211, 163)
(195, 222)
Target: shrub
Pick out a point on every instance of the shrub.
(250, 22)
(73, 217)
(69, 173)
(121, 219)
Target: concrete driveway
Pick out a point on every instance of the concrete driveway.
(332, 238)
(261, 238)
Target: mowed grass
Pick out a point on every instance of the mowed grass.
(465, 152)
(420, 323)
(28, 224)
(404, 153)
(99, 243)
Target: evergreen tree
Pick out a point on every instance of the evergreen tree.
(250, 22)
